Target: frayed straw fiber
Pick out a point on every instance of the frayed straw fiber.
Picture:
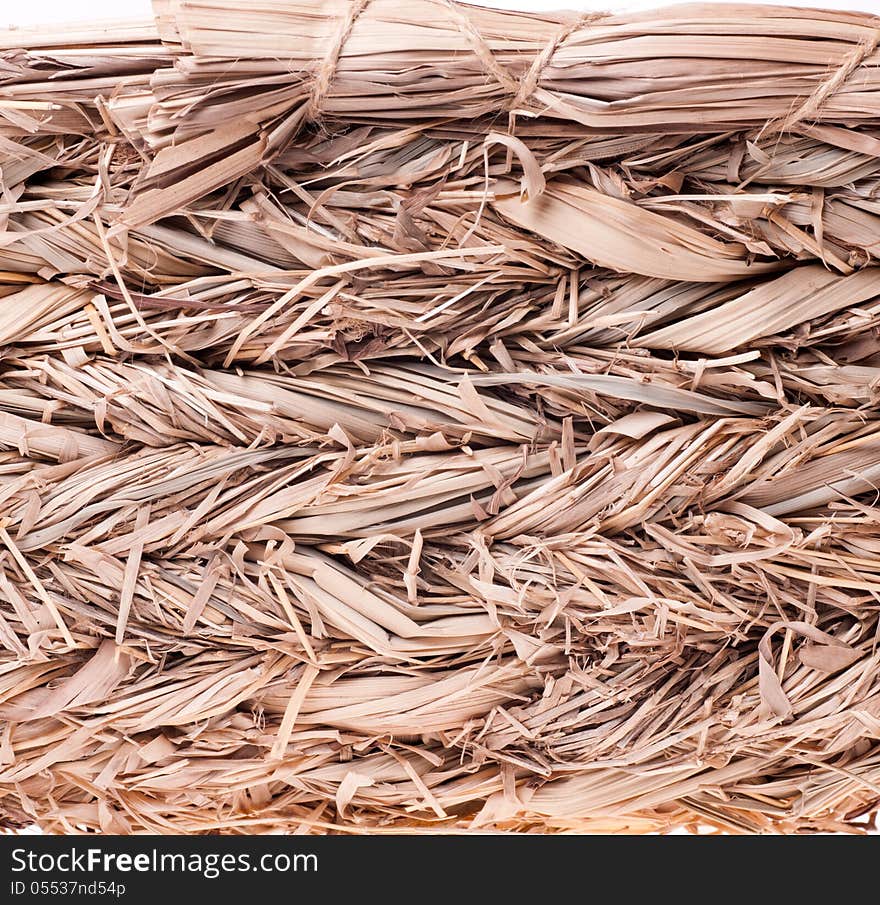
(418, 417)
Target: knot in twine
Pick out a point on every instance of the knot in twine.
(519, 90)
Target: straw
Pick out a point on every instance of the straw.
(417, 417)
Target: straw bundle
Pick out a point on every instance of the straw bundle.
(418, 417)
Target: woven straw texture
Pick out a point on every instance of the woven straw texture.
(423, 418)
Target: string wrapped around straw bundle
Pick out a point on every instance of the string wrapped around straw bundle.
(421, 417)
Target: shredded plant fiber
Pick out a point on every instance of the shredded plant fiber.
(417, 417)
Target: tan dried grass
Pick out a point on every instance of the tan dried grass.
(423, 418)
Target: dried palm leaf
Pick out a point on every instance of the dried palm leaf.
(416, 417)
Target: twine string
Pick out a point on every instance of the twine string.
(484, 53)
(327, 70)
(519, 90)
(812, 106)
(529, 83)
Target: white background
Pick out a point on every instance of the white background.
(32, 12)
